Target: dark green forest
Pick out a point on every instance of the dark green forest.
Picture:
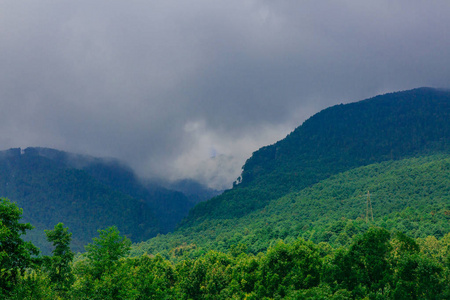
(87, 193)
(353, 204)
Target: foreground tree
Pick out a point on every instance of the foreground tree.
(105, 251)
(16, 255)
(418, 277)
(59, 265)
(102, 274)
(365, 267)
(288, 267)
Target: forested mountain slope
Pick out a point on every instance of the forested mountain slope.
(396, 146)
(339, 138)
(86, 194)
(169, 206)
(50, 193)
(410, 195)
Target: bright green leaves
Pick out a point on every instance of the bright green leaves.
(152, 277)
(102, 275)
(418, 277)
(289, 267)
(59, 266)
(105, 251)
(15, 254)
(207, 277)
(366, 266)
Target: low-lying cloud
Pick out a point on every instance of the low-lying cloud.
(191, 88)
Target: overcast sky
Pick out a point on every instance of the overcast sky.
(191, 88)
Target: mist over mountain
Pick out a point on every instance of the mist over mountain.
(170, 206)
(160, 86)
(193, 190)
(89, 193)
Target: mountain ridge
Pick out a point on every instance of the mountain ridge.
(386, 127)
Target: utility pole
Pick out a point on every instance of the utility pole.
(369, 207)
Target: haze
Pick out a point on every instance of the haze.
(189, 89)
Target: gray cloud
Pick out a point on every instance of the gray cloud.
(163, 84)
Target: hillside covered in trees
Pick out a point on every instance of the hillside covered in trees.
(337, 139)
(86, 193)
(316, 183)
(410, 196)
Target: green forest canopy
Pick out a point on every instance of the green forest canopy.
(376, 264)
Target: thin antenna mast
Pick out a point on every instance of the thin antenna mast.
(369, 207)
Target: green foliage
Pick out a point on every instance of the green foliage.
(410, 196)
(207, 277)
(418, 277)
(168, 206)
(376, 264)
(106, 250)
(102, 273)
(152, 277)
(16, 255)
(59, 266)
(288, 267)
(365, 266)
(320, 292)
(33, 284)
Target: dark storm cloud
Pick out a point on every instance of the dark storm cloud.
(163, 84)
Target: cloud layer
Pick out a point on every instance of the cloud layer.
(191, 88)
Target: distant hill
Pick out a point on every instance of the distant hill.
(169, 205)
(395, 145)
(86, 194)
